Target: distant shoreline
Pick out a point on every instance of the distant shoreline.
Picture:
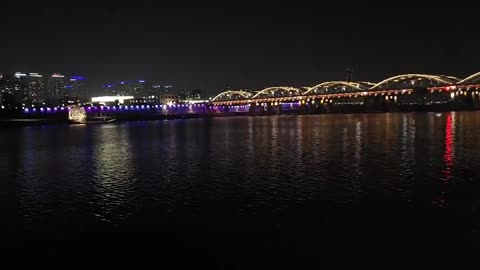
(59, 121)
(25, 122)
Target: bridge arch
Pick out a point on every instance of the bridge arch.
(472, 79)
(356, 86)
(230, 93)
(274, 90)
(439, 79)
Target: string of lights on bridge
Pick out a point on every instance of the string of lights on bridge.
(338, 89)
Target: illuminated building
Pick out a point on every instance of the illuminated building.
(6, 88)
(161, 89)
(168, 98)
(78, 88)
(191, 94)
(57, 90)
(110, 90)
(128, 88)
(138, 88)
(36, 88)
(20, 88)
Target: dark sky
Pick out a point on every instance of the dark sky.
(212, 48)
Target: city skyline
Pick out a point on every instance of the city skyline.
(29, 89)
(217, 48)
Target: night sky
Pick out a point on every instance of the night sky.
(215, 48)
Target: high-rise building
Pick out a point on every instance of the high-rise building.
(138, 88)
(20, 88)
(129, 88)
(6, 83)
(78, 88)
(161, 89)
(123, 89)
(191, 94)
(57, 90)
(36, 89)
(6, 89)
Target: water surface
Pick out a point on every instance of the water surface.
(332, 178)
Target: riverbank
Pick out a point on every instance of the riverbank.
(62, 119)
(24, 122)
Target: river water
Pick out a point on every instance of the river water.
(235, 191)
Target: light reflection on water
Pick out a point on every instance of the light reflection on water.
(236, 168)
(113, 174)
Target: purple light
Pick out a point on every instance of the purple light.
(41, 109)
(48, 109)
(34, 109)
(143, 107)
(55, 109)
(62, 108)
(26, 110)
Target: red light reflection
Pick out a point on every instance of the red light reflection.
(449, 157)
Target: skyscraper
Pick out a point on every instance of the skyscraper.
(57, 91)
(36, 89)
(138, 88)
(20, 88)
(130, 88)
(6, 88)
(78, 88)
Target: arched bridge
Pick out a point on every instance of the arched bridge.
(396, 85)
